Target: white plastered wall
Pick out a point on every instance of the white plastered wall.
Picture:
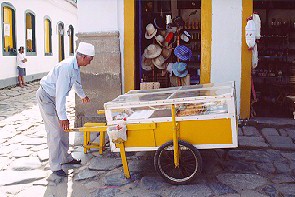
(226, 43)
(58, 11)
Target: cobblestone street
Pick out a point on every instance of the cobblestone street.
(263, 165)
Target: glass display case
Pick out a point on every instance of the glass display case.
(195, 102)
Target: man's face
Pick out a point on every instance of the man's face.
(86, 60)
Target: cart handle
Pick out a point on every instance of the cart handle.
(100, 112)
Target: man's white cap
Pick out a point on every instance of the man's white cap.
(86, 49)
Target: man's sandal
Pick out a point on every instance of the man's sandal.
(60, 173)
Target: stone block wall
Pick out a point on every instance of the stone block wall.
(101, 80)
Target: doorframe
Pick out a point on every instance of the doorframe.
(246, 60)
(206, 44)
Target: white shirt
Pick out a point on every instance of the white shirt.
(20, 57)
(60, 81)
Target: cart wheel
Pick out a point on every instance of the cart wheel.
(190, 163)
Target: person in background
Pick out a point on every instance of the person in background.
(51, 98)
(21, 66)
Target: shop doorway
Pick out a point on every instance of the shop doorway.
(274, 76)
(163, 15)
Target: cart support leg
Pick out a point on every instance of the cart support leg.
(85, 142)
(175, 137)
(101, 142)
(124, 160)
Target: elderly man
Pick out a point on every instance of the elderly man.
(51, 97)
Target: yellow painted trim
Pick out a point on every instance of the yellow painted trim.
(206, 39)
(247, 10)
(129, 50)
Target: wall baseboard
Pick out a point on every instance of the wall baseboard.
(13, 80)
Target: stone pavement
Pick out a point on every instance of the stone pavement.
(263, 165)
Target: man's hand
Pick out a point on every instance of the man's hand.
(65, 124)
(85, 99)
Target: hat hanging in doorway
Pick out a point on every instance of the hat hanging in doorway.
(183, 53)
(159, 62)
(152, 51)
(160, 39)
(166, 52)
(150, 31)
(179, 69)
(146, 63)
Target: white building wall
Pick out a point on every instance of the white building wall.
(226, 43)
(103, 16)
(39, 65)
(98, 15)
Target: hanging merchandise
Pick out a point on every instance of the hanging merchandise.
(159, 62)
(250, 33)
(257, 22)
(146, 63)
(169, 38)
(186, 33)
(160, 39)
(253, 33)
(152, 51)
(183, 53)
(150, 31)
(166, 52)
(254, 57)
(184, 38)
(180, 74)
(179, 69)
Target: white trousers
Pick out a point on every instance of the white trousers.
(57, 139)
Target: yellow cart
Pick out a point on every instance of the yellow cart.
(175, 122)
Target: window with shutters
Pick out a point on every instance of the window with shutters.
(47, 36)
(30, 33)
(71, 39)
(8, 29)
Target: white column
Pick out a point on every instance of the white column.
(226, 43)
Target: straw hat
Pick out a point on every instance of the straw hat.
(152, 51)
(150, 31)
(159, 62)
(146, 63)
(160, 39)
(166, 52)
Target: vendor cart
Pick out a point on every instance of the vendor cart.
(175, 122)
